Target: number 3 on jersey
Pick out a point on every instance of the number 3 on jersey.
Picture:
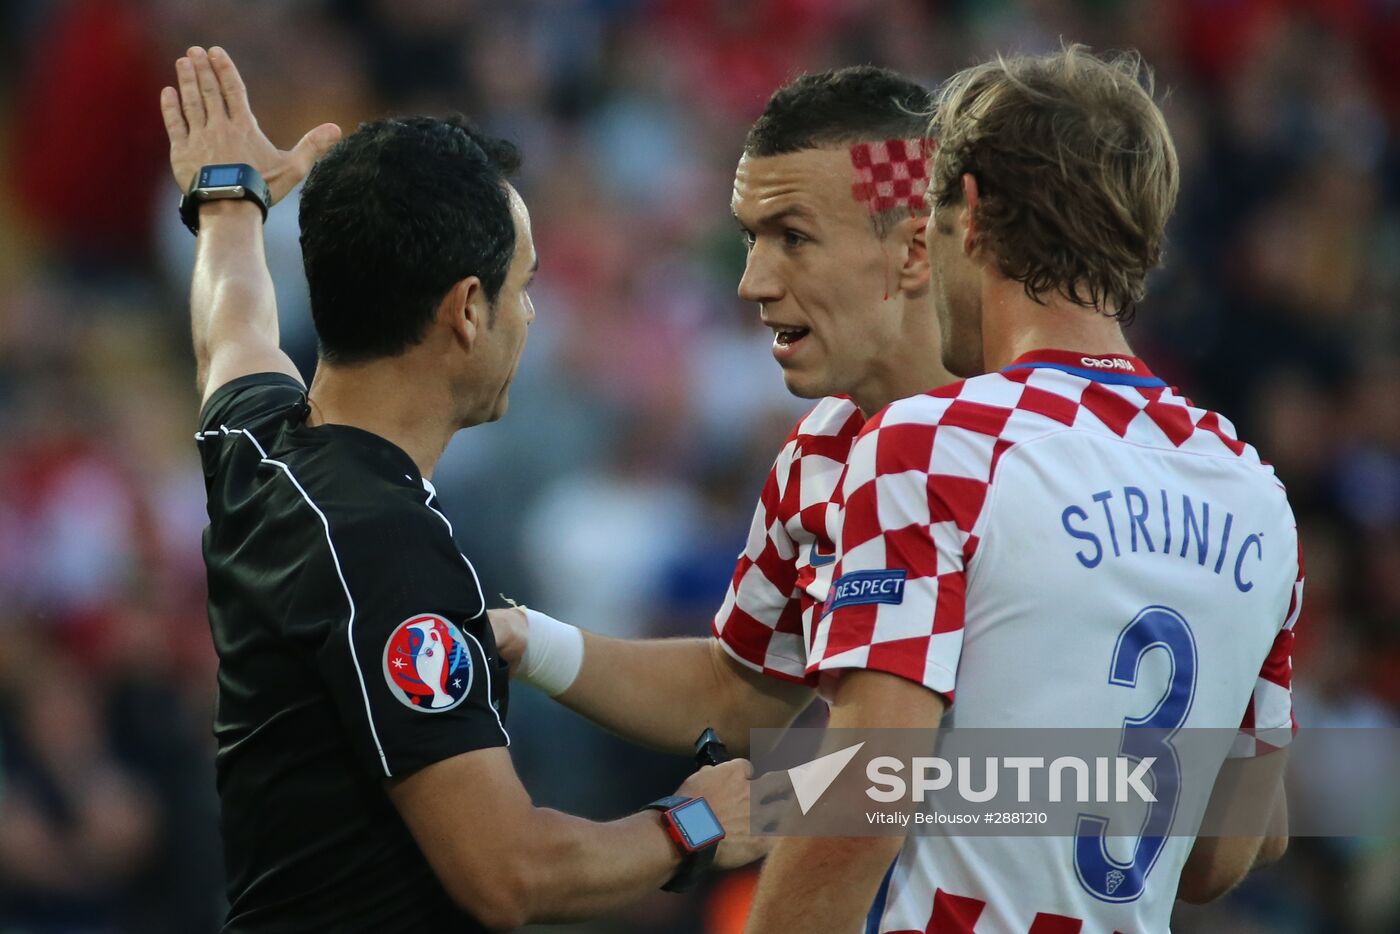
(1156, 627)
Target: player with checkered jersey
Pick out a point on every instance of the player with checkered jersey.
(1054, 182)
(1042, 534)
(828, 196)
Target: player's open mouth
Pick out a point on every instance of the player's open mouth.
(786, 337)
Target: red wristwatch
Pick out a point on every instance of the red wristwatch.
(696, 831)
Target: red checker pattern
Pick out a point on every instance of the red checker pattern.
(891, 174)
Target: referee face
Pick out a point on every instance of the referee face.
(504, 341)
(825, 282)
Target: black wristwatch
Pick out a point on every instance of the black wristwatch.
(235, 181)
(695, 829)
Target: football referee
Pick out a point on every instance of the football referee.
(362, 769)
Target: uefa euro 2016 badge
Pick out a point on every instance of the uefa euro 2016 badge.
(427, 664)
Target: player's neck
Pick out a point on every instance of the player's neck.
(386, 398)
(913, 365)
(1013, 325)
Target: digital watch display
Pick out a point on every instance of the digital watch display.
(223, 182)
(696, 824)
(696, 831)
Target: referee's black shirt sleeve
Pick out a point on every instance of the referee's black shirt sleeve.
(399, 568)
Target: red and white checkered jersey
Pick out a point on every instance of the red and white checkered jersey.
(785, 568)
(1064, 543)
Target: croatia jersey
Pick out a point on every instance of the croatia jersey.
(1064, 543)
(785, 569)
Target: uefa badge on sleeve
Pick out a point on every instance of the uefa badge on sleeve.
(427, 664)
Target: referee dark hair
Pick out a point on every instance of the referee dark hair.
(362, 769)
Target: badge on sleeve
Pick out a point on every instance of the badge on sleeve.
(427, 664)
(859, 587)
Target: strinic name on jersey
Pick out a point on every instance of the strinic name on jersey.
(1138, 527)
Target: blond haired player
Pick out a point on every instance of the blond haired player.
(1061, 539)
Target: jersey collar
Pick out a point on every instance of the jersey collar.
(1114, 369)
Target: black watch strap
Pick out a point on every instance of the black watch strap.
(693, 867)
(694, 864)
(223, 181)
(668, 802)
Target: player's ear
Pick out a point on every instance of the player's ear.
(967, 217)
(463, 311)
(914, 273)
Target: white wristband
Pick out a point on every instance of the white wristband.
(553, 653)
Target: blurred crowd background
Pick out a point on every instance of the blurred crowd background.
(618, 490)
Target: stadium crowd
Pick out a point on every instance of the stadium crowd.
(618, 489)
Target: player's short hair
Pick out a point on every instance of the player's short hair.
(842, 107)
(1076, 170)
(391, 218)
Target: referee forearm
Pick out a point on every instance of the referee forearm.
(506, 862)
(580, 869)
(231, 294)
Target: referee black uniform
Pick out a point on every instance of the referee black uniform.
(353, 648)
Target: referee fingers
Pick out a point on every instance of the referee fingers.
(209, 92)
(191, 104)
(235, 92)
(170, 112)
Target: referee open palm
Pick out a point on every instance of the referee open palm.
(208, 120)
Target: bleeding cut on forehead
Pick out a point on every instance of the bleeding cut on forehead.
(837, 266)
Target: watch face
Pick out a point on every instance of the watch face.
(697, 823)
(221, 176)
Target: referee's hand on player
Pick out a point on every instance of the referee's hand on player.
(726, 788)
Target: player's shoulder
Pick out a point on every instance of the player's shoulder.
(1211, 432)
(1016, 406)
(1214, 435)
(965, 428)
(817, 447)
(981, 405)
(825, 433)
(1155, 416)
(832, 417)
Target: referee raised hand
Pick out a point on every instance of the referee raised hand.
(362, 765)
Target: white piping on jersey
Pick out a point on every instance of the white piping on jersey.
(429, 503)
(486, 666)
(335, 559)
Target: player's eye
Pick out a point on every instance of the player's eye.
(792, 238)
(747, 237)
